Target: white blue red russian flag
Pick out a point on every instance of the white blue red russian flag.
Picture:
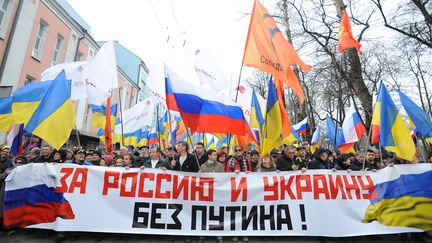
(14, 139)
(301, 127)
(203, 110)
(31, 197)
(352, 129)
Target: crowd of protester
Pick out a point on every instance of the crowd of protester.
(183, 158)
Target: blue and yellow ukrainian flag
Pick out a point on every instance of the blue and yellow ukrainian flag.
(6, 120)
(180, 132)
(211, 144)
(99, 115)
(132, 138)
(54, 118)
(27, 99)
(389, 128)
(222, 141)
(417, 116)
(273, 121)
(256, 121)
(316, 140)
(164, 126)
(405, 201)
(143, 138)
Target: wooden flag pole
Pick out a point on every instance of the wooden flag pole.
(193, 150)
(121, 117)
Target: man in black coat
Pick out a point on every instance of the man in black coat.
(320, 160)
(285, 161)
(357, 164)
(185, 161)
(155, 160)
(46, 155)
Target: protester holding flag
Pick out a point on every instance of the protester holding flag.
(200, 153)
(185, 161)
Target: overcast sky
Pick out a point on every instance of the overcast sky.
(219, 26)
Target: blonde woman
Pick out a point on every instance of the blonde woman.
(266, 164)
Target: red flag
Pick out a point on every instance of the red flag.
(107, 131)
(346, 39)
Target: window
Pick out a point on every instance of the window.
(28, 79)
(79, 56)
(91, 54)
(3, 11)
(40, 40)
(4, 16)
(57, 50)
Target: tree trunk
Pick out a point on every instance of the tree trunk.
(354, 74)
(298, 109)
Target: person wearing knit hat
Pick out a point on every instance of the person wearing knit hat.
(59, 155)
(320, 160)
(106, 160)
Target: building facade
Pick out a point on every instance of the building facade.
(36, 34)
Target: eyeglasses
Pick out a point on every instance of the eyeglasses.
(238, 150)
(19, 162)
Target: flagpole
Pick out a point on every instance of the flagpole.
(193, 150)
(173, 139)
(339, 112)
(238, 83)
(121, 117)
(422, 147)
(157, 124)
(367, 146)
(77, 136)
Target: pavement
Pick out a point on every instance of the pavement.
(40, 236)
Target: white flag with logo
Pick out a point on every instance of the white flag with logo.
(101, 74)
(244, 98)
(156, 82)
(75, 72)
(137, 117)
(208, 73)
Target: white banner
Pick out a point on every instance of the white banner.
(315, 203)
(137, 117)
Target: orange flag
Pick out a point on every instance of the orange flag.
(268, 50)
(107, 131)
(346, 39)
(286, 123)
